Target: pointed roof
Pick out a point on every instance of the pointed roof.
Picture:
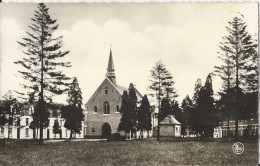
(170, 120)
(110, 66)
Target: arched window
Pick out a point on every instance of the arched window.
(95, 109)
(106, 108)
(117, 108)
(106, 90)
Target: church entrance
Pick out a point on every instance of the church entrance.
(106, 130)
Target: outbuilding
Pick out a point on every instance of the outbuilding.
(170, 127)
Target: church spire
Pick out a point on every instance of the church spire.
(110, 69)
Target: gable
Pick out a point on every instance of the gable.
(114, 88)
(101, 89)
(170, 120)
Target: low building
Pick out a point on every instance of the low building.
(170, 127)
(245, 128)
(20, 128)
(217, 132)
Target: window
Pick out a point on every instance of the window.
(106, 108)
(66, 133)
(26, 132)
(95, 109)
(106, 90)
(27, 121)
(85, 130)
(10, 131)
(93, 130)
(60, 123)
(117, 108)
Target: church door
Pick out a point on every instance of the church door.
(106, 130)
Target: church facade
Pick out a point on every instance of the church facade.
(102, 115)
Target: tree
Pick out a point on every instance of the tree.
(194, 113)
(161, 82)
(205, 109)
(165, 110)
(161, 86)
(126, 123)
(133, 107)
(144, 116)
(186, 107)
(225, 71)
(240, 51)
(179, 116)
(5, 107)
(40, 116)
(9, 107)
(41, 62)
(73, 113)
(56, 127)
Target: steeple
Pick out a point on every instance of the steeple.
(110, 69)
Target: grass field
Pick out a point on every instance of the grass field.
(146, 152)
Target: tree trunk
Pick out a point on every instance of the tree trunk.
(228, 126)
(41, 83)
(37, 133)
(70, 135)
(236, 132)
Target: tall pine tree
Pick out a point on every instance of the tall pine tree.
(162, 86)
(41, 63)
(239, 49)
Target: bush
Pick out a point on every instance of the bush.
(116, 137)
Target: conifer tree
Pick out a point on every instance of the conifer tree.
(41, 63)
(73, 112)
(126, 123)
(225, 71)
(144, 116)
(179, 116)
(205, 109)
(56, 127)
(194, 113)
(133, 107)
(186, 107)
(240, 50)
(165, 110)
(3, 119)
(161, 86)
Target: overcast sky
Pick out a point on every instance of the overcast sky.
(184, 36)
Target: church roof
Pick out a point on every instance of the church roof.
(170, 120)
(121, 90)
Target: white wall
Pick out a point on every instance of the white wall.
(24, 127)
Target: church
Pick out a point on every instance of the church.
(102, 115)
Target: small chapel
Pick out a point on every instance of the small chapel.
(102, 115)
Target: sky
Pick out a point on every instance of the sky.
(184, 36)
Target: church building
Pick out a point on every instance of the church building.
(102, 115)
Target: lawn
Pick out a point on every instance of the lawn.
(146, 152)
